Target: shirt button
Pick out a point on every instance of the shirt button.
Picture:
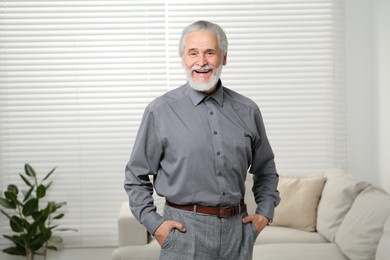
(218, 153)
(219, 173)
(215, 132)
(211, 113)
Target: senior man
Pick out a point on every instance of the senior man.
(198, 142)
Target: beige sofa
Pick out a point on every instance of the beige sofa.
(328, 216)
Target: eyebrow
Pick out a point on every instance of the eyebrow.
(196, 50)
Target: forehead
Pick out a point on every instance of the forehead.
(201, 40)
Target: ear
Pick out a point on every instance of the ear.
(224, 61)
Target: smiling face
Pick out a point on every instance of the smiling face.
(203, 60)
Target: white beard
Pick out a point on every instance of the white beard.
(201, 85)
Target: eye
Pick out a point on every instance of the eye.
(210, 53)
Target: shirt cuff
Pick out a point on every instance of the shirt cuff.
(152, 221)
(266, 209)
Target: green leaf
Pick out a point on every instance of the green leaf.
(41, 191)
(18, 240)
(48, 175)
(59, 205)
(29, 170)
(52, 206)
(28, 194)
(10, 196)
(36, 215)
(47, 211)
(16, 224)
(44, 215)
(37, 242)
(52, 248)
(13, 189)
(59, 216)
(26, 224)
(30, 207)
(46, 232)
(32, 230)
(28, 183)
(48, 185)
(15, 250)
(7, 204)
(67, 229)
(56, 239)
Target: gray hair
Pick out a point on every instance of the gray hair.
(208, 27)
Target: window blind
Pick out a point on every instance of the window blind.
(75, 77)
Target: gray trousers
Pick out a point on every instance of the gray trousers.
(208, 237)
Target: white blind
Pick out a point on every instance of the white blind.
(75, 77)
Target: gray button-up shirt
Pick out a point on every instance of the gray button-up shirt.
(198, 148)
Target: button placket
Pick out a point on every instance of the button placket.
(215, 136)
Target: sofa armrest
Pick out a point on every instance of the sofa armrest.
(130, 231)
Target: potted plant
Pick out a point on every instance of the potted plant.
(32, 220)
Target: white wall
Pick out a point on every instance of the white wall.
(382, 21)
(368, 99)
(361, 90)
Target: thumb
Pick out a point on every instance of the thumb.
(179, 226)
(248, 219)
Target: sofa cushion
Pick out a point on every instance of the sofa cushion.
(150, 251)
(319, 251)
(130, 231)
(340, 191)
(273, 234)
(383, 250)
(362, 227)
(299, 202)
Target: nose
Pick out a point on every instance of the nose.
(202, 61)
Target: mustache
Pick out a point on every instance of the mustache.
(202, 68)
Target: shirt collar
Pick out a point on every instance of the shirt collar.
(198, 96)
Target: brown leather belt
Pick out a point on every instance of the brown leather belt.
(220, 212)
